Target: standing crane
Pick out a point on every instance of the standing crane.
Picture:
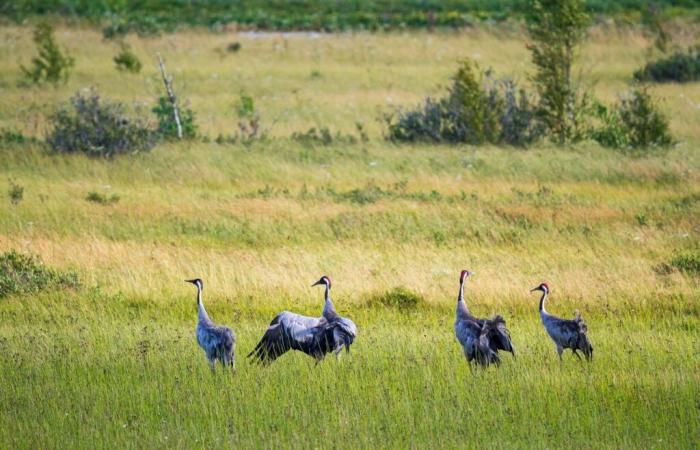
(565, 333)
(311, 335)
(481, 339)
(218, 342)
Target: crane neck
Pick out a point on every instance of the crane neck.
(462, 310)
(203, 316)
(328, 308)
(544, 297)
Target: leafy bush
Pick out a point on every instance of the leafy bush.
(233, 47)
(478, 109)
(52, 64)
(635, 122)
(8, 136)
(687, 262)
(126, 60)
(102, 199)
(323, 136)
(680, 67)
(97, 128)
(400, 298)
(249, 125)
(26, 274)
(16, 193)
(167, 127)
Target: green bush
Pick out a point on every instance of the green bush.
(97, 128)
(16, 193)
(26, 274)
(477, 110)
(102, 199)
(636, 122)
(167, 127)
(126, 60)
(687, 262)
(51, 64)
(400, 298)
(680, 67)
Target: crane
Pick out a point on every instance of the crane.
(218, 342)
(481, 339)
(311, 335)
(565, 333)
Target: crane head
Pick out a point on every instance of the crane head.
(323, 280)
(542, 287)
(197, 282)
(465, 273)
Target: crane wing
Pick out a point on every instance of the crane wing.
(499, 336)
(286, 331)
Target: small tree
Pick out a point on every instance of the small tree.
(557, 28)
(52, 64)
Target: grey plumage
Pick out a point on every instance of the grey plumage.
(315, 336)
(481, 339)
(218, 342)
(565, 333)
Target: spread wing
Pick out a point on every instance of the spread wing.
(286, 331)
(344, 333)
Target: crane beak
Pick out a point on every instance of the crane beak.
(317, 283)
(189, 281)
(535, 289)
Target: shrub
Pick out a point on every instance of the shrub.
(233, 47)
(126, 60)
(687, 262)
(16, 193)
(557, 28)
(478, 109)
(249, 125)
(635, 122)
(97, 128)
(167, 127)
(102, 199)
(680, 67)
(323, 136)
(26, 274)
(400, 298)
(51, 64)
(8, 136)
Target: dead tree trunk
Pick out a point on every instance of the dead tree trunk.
(168, 81)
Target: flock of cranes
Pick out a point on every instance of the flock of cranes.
(481, 339)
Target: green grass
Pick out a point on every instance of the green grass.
(114, 363)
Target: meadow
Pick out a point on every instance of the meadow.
(114, 363)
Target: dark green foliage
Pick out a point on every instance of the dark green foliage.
(249, 124)
(126, 60)
(400, 298)
(167, 128)
(148, 17)
(102, 199)
(323, 136)
(687, 262)
(51, 64)
(557, 28)
(680, 67)
(97, 128)
(8, 136)
(233, 47)
(16, 193)
(477, 110)
(636, 122)
(26, 274)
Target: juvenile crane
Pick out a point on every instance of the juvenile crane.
(218, 342)
(565, 333)
(314, 336)
(481, 339)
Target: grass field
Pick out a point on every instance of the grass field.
(115, 362)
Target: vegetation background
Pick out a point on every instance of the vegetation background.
(114, 363)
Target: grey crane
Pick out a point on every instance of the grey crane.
(218, 342)
(315, 336)
(565, 333)
(481, 339)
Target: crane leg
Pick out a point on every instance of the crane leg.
(576, 354)
(560, 350)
